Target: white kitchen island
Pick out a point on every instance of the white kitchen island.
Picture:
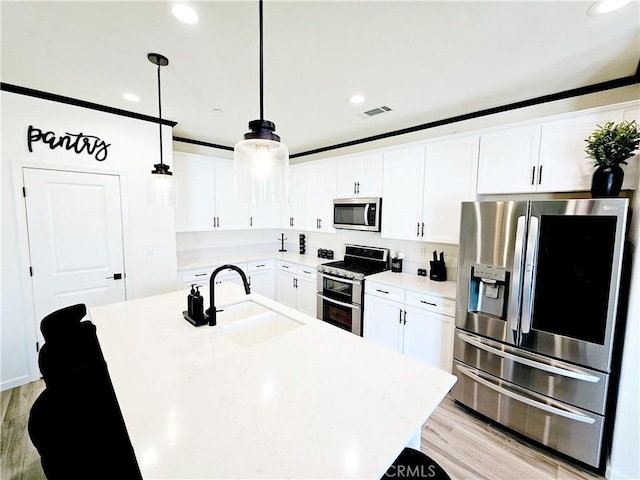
(292, 398)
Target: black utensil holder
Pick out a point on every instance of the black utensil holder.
(396, 265)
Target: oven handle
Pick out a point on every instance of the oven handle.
(565, 372)
(340, 279)
(476, 376)
(352, 306)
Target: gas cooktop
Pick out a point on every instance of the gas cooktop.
(359, 261)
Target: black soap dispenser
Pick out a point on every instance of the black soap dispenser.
(197, 312)
(190, 298)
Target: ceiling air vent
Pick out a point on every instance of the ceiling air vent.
(374, 111)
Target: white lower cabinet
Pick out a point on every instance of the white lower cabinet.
(415, 324)
(261, 275)
(201, 276)
(296, 286)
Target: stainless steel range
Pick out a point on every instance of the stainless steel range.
(341, 285)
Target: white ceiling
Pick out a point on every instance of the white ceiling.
(427, 60)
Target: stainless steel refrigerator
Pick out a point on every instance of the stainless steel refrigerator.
(537, 305)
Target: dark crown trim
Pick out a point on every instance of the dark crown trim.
(29, 92)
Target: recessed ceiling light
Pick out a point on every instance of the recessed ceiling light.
(606, 6)
(184, 13)
(357, 99)
(131, 97)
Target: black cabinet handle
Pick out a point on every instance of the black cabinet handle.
(418, 230)
(533, 175)
(429, 303)
(382, 291)
(540, 175)
(422, 230)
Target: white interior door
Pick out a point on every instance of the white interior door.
(75, 239)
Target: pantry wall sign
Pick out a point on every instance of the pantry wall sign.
(78, 142)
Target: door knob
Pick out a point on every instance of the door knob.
(116, 276)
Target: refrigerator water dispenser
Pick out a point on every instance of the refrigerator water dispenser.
(488, 290)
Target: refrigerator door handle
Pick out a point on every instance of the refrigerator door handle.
(529, 274)
(562, 412)
(565, 370)
(516, 279)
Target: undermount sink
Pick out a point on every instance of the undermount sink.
(239, 311)
(249, 323)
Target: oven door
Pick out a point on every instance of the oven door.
(339, 302)
(347, 316)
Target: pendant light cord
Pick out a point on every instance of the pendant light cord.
(160, 115)
(261, 63)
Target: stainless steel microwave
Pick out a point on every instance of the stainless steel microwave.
(358, 213)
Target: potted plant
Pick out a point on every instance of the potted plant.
(609, 146)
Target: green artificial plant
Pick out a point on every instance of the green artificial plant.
(613, 144)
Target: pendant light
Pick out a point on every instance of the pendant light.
(261, 162)
(160, 185)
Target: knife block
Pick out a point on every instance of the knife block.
(438, 271)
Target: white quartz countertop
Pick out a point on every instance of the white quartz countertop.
(312, 402)
(308, 259)
(416, 283)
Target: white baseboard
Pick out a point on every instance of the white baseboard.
(15, 382)
(611, 474)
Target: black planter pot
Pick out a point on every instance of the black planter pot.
(607, 181)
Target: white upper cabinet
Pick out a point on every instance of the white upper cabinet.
(547, 156)
(563, 164)
(293, 213)
(508, 160)
(359, 176)
(423, 187)
(195, 195)
(321, 190)
(402, 193)
(206, 197)
(450, 177)
(230, 214)
(266, 215)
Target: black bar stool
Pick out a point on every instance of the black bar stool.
(414, 464)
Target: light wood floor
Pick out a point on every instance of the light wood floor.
(466, 446)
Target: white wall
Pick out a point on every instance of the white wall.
(133, 151)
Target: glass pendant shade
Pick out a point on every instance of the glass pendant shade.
(161, 189)
(261, 165)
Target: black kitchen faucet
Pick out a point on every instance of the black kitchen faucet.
(211, 311)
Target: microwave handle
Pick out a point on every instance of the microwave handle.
(366, 214)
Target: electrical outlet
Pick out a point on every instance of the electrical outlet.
(423, 250)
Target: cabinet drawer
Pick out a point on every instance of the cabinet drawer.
(260, 265)
(286, 267)
(431, 303)
(197, 276)
(384, 291)
(307, 272)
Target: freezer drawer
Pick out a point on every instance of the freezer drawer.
(565, 382)
(569, 430)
